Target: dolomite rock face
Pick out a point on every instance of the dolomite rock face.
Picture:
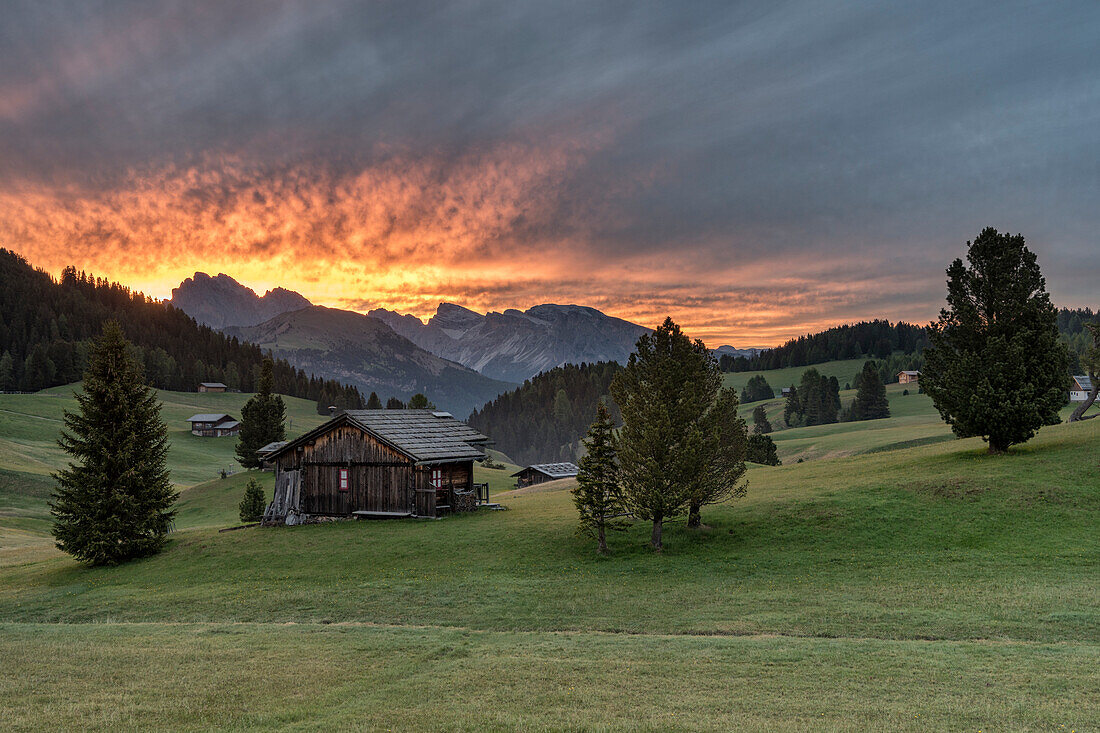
(515, 345)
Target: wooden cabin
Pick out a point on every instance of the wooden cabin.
(378, 463)
(212, 387)
(213, 425)
(1080, 388)
(908, 377)
(542, 472)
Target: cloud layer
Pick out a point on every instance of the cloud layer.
(756, 170)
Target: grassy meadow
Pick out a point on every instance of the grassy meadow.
(923, 588)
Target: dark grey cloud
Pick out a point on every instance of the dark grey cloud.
(881, 134)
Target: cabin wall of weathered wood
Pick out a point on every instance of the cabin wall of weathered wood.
(380, 479)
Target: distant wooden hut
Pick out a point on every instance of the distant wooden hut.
(908, 377)
(214, 425)
(212, 387)
(542, 472)
(378, 463)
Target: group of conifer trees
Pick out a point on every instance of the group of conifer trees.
(681, 446)
(877, 338)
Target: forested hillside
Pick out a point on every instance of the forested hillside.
(46, 325)
(897, 346)
(545, 418)
(877, 339)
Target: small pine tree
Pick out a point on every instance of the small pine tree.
(394, 403)
(761, 449)
(596, 494)
(373, 402)
(996, 367)
(760, 420)
(870, 402)
(254, 503)
(263, 419)
(420, 402)
(115, 501)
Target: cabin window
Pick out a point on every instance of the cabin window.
(437, 478)
(343, 479)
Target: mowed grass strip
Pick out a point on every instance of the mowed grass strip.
(200, 677)
(936, 542)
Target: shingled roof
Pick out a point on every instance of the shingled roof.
(425, 436)
(553, 470)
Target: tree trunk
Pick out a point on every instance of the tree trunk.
(601, 537)
(995, 446)
(695, 520)
(655, 538)
(1084, 406)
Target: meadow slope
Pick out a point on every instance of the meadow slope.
(929, 587)
(926, 588)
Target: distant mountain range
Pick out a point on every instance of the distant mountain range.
(516, 345)
(356, 349)
(728, 350)
(459, 358)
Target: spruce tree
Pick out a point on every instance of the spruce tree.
(668, 439)
(263, 419)
(761, 449)
(760, 420)
(996, 367)
(596, 495)
(721, 455)
(420, 402)
(792, 408)
(114, 502)
(870, 402)
(254, 503)
(393, 403)
(373, 402)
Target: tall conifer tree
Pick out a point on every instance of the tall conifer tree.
(870, 402)
(114, 501)
(263, 419)
(597, 495)
(996, 367)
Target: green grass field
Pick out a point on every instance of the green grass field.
(928, 588)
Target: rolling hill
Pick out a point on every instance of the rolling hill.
(840, 594)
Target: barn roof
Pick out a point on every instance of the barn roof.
(553, 470)
(207, 417)
(909, 372)
(1084, 382)
(212, 384)
(426, 436)
(229, 425)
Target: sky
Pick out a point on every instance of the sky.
(756, 170)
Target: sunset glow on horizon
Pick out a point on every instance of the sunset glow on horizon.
(729, 168)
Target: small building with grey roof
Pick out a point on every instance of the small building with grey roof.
(378, 463)
(542, 472)
(214, 425)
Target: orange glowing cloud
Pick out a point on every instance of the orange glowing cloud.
(486, 230)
